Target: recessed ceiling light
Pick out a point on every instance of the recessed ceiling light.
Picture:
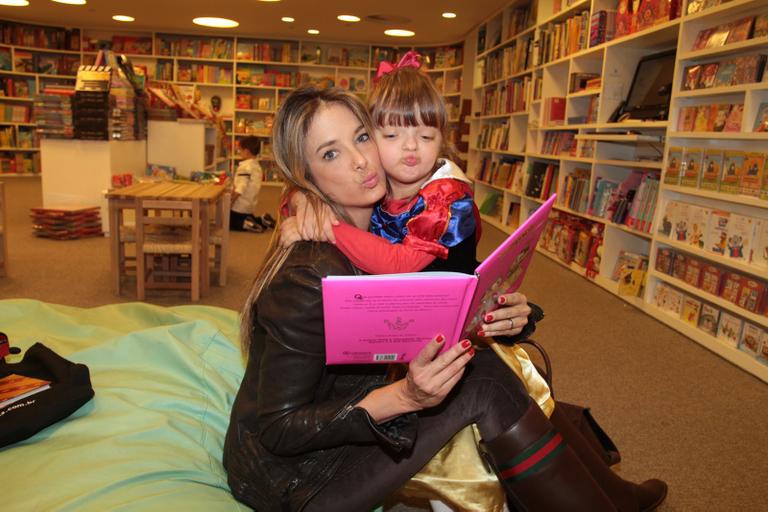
(269, 0)
(215, 22)
(70, 2)
(123, 17)
(287, 19)
(399, 32)
(449, 15)
(313, 31)
(347, 17)
(14, 3)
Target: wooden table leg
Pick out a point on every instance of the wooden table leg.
(205, 271)
(114, 244)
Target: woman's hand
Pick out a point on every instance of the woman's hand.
(431, 376)
(509, 319)
(312, 225)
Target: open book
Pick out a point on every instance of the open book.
(388, 318)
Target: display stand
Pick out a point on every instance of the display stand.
(79, 172)
(182, 144)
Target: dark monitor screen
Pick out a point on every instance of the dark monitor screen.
(652, 84)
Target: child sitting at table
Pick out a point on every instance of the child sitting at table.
(247, 184)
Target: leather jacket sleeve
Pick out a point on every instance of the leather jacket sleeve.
(299, 409)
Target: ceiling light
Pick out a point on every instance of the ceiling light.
(449, 15)
(14, 3)
(70, 2)
(215, 22)
(287, 19)
(313, 31)
(123, 17)
(399, 32)
(269, 0)
(347, 17)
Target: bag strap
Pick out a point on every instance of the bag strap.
(547, 363)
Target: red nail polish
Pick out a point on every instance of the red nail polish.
(440, 338)
(502, 300)
(466, 344)
(471, 352)
(481, 334)
(489, 318)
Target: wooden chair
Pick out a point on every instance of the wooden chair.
(125, 228)
(168, 246)
(219, 238)
(4, 232)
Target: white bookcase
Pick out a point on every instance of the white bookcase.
(621, 148)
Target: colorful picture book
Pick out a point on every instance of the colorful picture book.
(388, 318)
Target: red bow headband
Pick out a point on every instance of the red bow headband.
(409, 60)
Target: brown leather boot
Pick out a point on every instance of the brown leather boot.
(539, 471)
(626, 496)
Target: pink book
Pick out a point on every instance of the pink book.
(388, 318)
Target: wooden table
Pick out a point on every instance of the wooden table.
(125, 198)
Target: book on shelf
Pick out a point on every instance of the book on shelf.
(674, 165)
(692, 170)
(668, 299)
(490, 204)
(541, 178)
(740, 30)
(751, 339)
(709, 318)
(760, 28)
(602, 27)
(711, 167)
(690, 311)
(761, 118)
(628, 260)
(752, 174)
(760, 247)
(389, 317)
(729, 329)
(741, 230)
(716, 239)
(733, 166)
(554, 111)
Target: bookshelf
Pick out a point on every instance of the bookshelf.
(567, 129)
(250, 75)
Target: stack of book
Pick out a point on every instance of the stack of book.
(66, 223)
(542, 180)
(53, 112)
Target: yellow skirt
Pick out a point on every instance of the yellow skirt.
(457, 475)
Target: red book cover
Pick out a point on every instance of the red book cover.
(751, 295)
(711, 277)
(693, 272)
(732, 284)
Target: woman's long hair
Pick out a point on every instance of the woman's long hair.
(289, 134)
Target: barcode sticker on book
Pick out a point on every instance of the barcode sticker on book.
(384, 357)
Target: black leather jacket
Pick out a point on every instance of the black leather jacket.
(294, 417)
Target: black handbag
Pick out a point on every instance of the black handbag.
(69, 390)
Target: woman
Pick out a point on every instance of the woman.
(305, 436)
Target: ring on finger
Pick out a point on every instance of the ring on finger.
(511, 323)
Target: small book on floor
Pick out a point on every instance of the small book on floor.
(17, 387)
(388, 318)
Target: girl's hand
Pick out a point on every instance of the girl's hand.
(289, 232)
(431, 376)
(509, 319)
(312, 225)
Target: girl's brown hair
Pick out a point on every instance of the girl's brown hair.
(289, 134)
(407, 97)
